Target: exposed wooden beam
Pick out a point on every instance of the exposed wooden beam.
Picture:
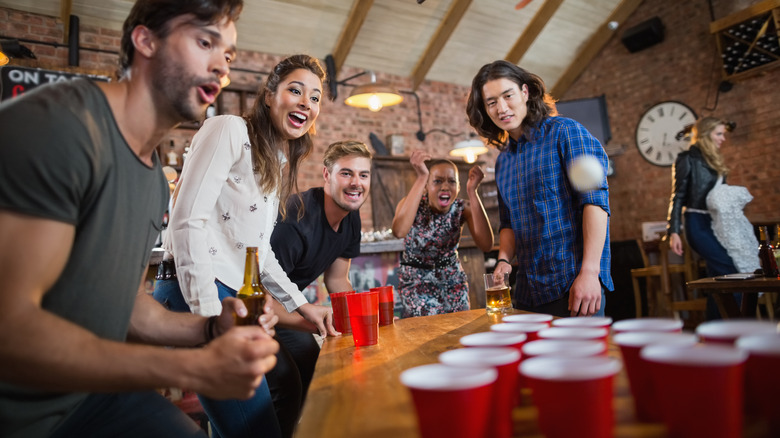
(66, 9)
(351, 28)
(594, 46)
(436, 44)
(533, 30)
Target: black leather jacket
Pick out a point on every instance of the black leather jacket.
(693, 179)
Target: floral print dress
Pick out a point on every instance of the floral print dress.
(431, 278)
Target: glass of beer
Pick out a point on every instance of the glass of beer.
(497, 296)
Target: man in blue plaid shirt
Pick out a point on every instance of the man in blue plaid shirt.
(559, 235)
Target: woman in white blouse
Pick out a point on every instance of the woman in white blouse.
(227, 199)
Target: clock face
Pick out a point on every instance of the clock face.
(658, 129)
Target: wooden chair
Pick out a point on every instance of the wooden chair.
(690, 270)
(660, 297)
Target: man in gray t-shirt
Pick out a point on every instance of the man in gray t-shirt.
(82, 196)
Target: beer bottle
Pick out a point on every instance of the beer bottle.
(766, 254)
(252, 292)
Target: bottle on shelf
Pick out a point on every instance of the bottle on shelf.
(766, 254)
(776, 244)
(252, 292)
(173, 157)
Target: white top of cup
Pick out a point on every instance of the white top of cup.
(583, 321)
(704, 355)
(442, 377)
(518, 327)
(641, 339)
(527, 317)
(480, 356)
(767, 344)
(492, 339)
(647, 324)
(734, 328)
(572, 333)
(564, 347)
(569, 368)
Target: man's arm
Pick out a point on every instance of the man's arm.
(585, 293)
(337, 276)
(41, 350)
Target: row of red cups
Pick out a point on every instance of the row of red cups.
(498, 363)
(362, 313)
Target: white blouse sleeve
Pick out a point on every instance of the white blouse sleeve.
(278, 283)
(215, 148)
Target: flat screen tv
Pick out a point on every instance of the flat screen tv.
(591, 112)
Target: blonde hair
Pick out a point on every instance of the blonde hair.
(341, 149)
(700, 138)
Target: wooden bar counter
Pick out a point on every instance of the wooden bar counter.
(356, 392)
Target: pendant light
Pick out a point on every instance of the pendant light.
(373, 95)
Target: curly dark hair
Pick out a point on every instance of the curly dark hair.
(540, 104)
(157, 14)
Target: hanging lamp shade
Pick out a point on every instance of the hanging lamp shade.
(4, 58)
(373, 95)
(469, 149)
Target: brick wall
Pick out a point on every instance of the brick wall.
(683, 67)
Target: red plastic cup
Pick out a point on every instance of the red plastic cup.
(452, 402)
(338, 301)
(573, 395)
(727, 331)
(494, 339)
(528, 317)
(386, 304)
(563, 348)
(638, 370)
(364, 317)
(762, 380)
(575, 333)
(505, 396)
(648, 325)
(530, 329)
(583, 322)
(699, 388)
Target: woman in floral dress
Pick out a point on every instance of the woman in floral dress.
(430, 219)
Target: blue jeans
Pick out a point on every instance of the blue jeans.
(254, 417)
(698, 232)
(128, 415)
(560, 307)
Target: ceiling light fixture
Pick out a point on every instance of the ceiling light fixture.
(4, 59)
(469, 149)
(373, 95)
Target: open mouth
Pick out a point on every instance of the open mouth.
(444, 200)
(353, 195)
(208, 92)
(297, 119)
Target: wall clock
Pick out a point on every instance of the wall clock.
(657, 132)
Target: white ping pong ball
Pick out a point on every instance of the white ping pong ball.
(586, 173)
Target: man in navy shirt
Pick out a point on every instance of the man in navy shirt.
(320, 236)
(559, 235)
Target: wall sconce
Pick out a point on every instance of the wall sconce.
(373, 95)
(469, 149)
(4, 59)
(224, 81)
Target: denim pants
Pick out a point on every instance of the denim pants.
(128, 415)
(254, 417)
(560, 307)
(701, 238)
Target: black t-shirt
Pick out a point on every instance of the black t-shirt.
(306, 248)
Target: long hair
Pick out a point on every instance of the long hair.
(267, 141)
(157, 14)
(540, 104)
(700, 138)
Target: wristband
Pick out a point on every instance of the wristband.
(505, 261)
(210, 328)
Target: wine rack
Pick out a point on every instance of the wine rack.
(748, 41)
